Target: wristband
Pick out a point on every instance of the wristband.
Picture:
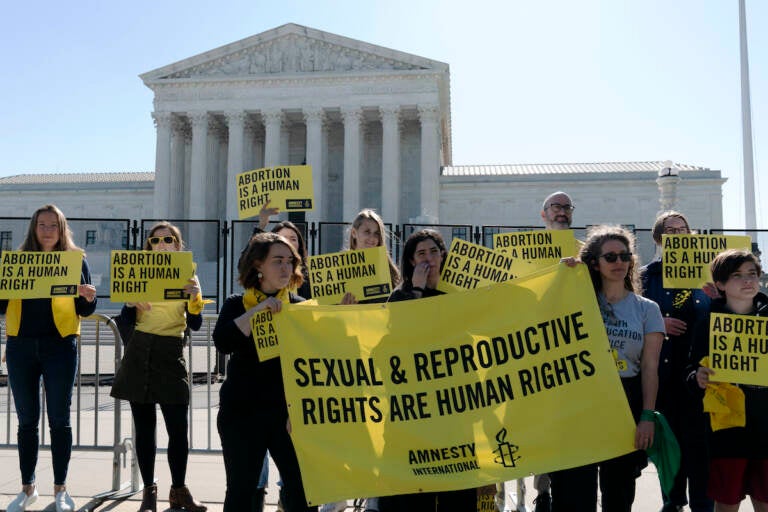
(417, 289)
(648, 415)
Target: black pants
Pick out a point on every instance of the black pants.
(145, 422)
(246, 435)
(575, 490)
(464, 500)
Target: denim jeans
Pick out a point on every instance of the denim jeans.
(55, 360)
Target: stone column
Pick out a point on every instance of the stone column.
(313, 117)
(181, 135)
(352, 117)
(236, 125)
(197, 181)
(390, 163)
(430, 163)
(273, 120)
(162, 194)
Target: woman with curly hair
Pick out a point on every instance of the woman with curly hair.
(635, 330)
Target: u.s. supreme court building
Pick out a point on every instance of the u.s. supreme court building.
(374, 124)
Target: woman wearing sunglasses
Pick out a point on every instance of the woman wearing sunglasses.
(153, 371)
(683, 310)
(42, 343)
(635, 330)
(253, 413)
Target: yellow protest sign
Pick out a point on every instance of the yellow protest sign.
(362, 272)
(39, 275)
(686, 258)
(535, 250)
(149, 276)
(288, 188)
(469, 266)
(738, 349)
(265, 335)
(452, 392)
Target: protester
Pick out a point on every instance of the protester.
(253, 414)
(739, 454)
(424, 254)
(366, 232)
(683, 310)
(557, 213)
(42, 342)
(153, 371)
(635, 330)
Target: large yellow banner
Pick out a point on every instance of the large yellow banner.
(39, 275)
(149, 276)
(288, 188)
(362, 272)
(453, 391)
(686, 258)
(738, 349)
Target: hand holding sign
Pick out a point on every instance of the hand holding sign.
(87, 291)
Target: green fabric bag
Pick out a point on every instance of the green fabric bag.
(665, 452)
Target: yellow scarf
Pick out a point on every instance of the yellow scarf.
(253, 297)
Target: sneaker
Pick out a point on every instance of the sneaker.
(22, 501)
(64, 502)
(543, 502)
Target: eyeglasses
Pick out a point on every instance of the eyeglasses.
(154, 240)
(749, 276)
(567, 208)
(676, 231)
(48, 227)
(611, 257)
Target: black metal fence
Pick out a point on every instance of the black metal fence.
(217, 244)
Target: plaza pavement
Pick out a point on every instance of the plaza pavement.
(91, 474)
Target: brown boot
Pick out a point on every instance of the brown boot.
(149, 499)
(180, 498)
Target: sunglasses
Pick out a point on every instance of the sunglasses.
(611, 257)
(154, 240)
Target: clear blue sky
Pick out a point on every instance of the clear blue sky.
(532, 81)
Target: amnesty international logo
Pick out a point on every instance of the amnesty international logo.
(505, 453)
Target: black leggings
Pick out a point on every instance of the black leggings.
(145, 421)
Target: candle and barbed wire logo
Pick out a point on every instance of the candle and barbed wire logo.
(505, 453)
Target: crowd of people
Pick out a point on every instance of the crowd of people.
(659, 338)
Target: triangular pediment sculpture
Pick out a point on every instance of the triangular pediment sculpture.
(291, 49)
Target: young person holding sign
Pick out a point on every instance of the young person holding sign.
(253, 413)
(153, 371)
(42, 342)
(423, 259)
(635, 331)
(739, 450)
(683, 311)
(367, 231)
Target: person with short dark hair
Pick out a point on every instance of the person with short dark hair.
(42, 343)
(738, 463)
(423, 258)
(253, 413)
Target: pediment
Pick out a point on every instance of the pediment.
(291, 49)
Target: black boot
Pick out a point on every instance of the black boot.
(149, 499)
